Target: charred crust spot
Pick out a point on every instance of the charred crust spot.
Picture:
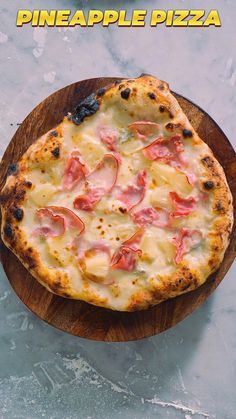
(101, 91)
(152, 95)
(219, 207)
(8, 230)
(187, 133)
(162, 108)
(86, 107)
(116, 82)
(125, 93)
(161, 87)
(208, 185)
(121, 86)
(54, 133)
(12, 169)
(30, 261)
(56, 152)
(18, 213)
(28, 184)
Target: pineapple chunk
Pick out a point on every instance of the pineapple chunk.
(91, 151)
(165, 174)
(131, 146)
(42, 193)
(160, 197)
(97, 264)
(149, 247)
(59, 249)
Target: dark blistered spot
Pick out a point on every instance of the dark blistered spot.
(87, 107)
(18, 214)
(122, 210)
(162, 108)
(121, 85)
(116, 82)
(152, 95)
(30, 261)
(56, 152)
(54, 133)
(161, 87)
(28, 184)
(187, 133)
(12, 169)
(101, 91)
(208, 184)
(170, 126)
(8, 230)
(125, 93)
(219, 207)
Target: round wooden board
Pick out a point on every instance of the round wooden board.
(79, 318)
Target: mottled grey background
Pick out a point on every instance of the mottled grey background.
(189, 371)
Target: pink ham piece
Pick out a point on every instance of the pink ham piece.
(99, 183)
(157, 217)
(74, 172)
(52, 225)
(184, 241)
(125, 257)
(109, 137)
(144, 129)
(183, 206)
(56, 220)
(134, 194)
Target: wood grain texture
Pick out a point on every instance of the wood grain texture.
(79, 318)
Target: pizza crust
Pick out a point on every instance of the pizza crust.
(129, 98)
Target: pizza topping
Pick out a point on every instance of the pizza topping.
(109, 137)
(144, 129)
(151, 216)
(100, 182)
(74, 172)
(125, 257)
(52, 225)
(182, 206)
(132, 195)
(55, 220)
(164, 150)
(184, 241)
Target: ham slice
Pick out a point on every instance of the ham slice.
(157, 217)
(184, 241)
(74, 172)
(99, 183)
(109, 137)
(183, 206)
(144, 129)
(132, 195)
(55, 220)
(125, 257)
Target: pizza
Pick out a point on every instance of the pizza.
(122, 205)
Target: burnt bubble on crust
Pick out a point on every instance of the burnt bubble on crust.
(56, 152)
(187, 133)
(208, 185)
(101, 91)
(125, 93)
(162, 108)
(18, 214)
(54, 133)
(86, 107)
(8, 230)
(152, 95)
(12, 169)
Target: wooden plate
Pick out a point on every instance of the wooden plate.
(79, 318)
